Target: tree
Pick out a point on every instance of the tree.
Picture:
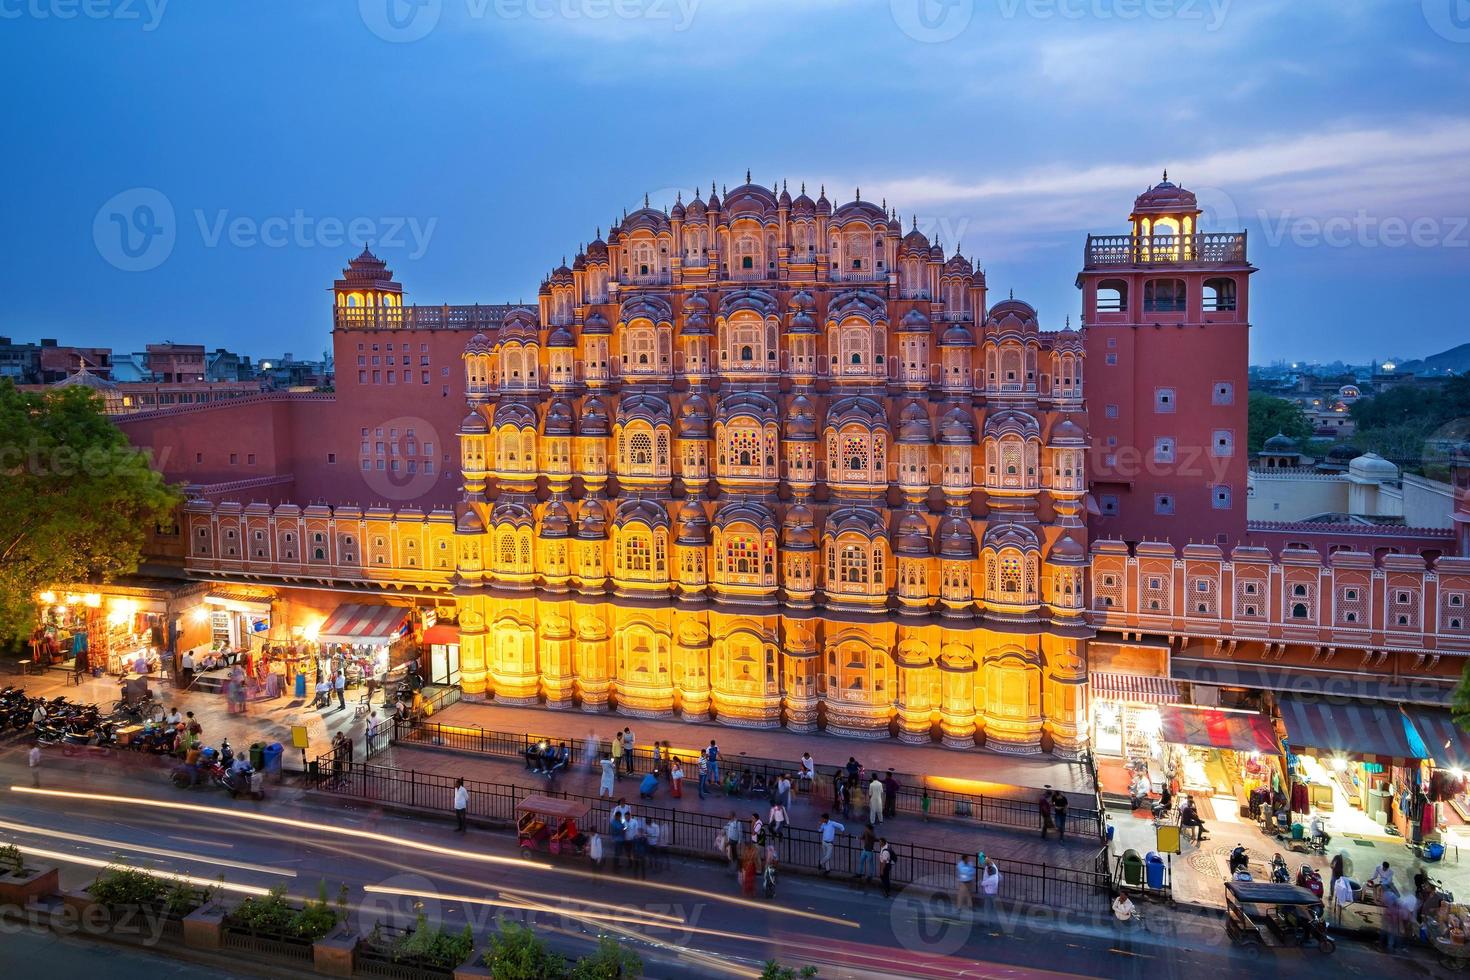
(76, 499)
(1269, 415)
(1460, 704)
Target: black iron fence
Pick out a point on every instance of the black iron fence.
(694, 834)
(754, 776)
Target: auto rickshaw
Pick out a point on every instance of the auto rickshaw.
(551, 825)
(1266, 915)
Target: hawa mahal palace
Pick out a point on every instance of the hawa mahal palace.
(776, 462)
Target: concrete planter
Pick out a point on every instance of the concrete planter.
(334, 955)
(30, 883)
(202, 927)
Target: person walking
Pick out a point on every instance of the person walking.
(653, 835)
(964, 883)
(867, 856)
(1044, 805)
(461, 805)
(713, 754)
(989, 886)
(1059, 814)
(371, 734)
(628, 742)
(617, 752)
(1124, 922)
(609, 777)
(844, 796)
(778, 819)
(676, 779)
(637, 844)
(732, 840)
(890, 794)
(340, 683)
(617, 832)
(829, 829)
(33, 761)
(1342, 897)
(783, 790)
(594, 851)
(885, 867)
(703, 771)
(924, 804)
(875, 800)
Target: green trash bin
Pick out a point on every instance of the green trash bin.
(257, 756)
(1132, 868)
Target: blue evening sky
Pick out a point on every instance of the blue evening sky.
(191, 170)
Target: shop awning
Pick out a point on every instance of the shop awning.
(239, 600)
(1367, 731)
(368, 625)
(1213, 728)
(1133, 687)
(1334, 683)
(441, 633)
(1446, 744)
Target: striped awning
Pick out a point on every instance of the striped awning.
(1135, 688)
(369, 625)
(1365, 731)
(1444, 741)
(1213, 728)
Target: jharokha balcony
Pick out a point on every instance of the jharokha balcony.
(1152, 250)
(475, 317)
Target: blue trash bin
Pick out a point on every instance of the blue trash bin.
(1153, 866)
(271, 757)
(300, 685)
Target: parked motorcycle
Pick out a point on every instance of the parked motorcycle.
(245, 781)
(1280, 873)
(1310, 879)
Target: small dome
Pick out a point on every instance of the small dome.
(592, 523)
(913, 424)
(1066, 549)
(558, 418)
(801, 420)
(824, 206)
(479, 344)
(1279, 443)
(678, 210)
(561, 337)
(473, 423)
(1165, 198)
(556, 522)
(693, 525)
(958, 335)
(956, 538)
(1068, 433)
(914, 321)
(469, 522)
(957, 427)
(912, 538)
(596, 324)
(593, 420)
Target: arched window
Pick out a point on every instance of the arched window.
(642, 449)
(507, 549)
(854, 564)
(1010, 575)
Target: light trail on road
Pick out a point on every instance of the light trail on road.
(403, 842)
(99, 863)
(144, 849)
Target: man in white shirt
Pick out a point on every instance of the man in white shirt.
(1342, 897)
(829, 830)
(808, 776)
(461, 805)
(653, 833)
(39, 715)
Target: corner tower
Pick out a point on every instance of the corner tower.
(1166, 309)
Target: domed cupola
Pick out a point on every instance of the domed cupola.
(956, 538)
(693, 525)
(555, 521)
(561, 337)
(958, 335)
(824, 206)
(558, 418)
(913, 425)
(912, 537)
(957, 428)
(694, 418)
(593, 420)
(797, 530)
(914, 321)
(596, 324)
(473, 424)
(592, 524)
(801, 421)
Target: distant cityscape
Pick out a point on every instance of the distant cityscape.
(162, 375)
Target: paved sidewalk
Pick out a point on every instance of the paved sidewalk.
(949, 834)
(264, 721)
(990, 773)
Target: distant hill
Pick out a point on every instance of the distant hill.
(1455, 360)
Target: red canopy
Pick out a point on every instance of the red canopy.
(1213, 728)
(441, 633)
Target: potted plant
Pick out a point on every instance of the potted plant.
(19, 883)
(426, 950)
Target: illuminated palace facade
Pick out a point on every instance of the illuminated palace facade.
(778, 463)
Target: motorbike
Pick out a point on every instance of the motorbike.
(208, 774)
(245, 781)
(1239, 860)
(1309, 879)
(1279, 871)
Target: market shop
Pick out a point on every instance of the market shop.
(1220, 752)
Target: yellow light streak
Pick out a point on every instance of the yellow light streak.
(142, 849)
(403, 842)
(98, 863)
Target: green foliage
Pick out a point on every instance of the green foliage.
(428, 946)
(775, 971)
(610, 962)
(515, 953)
(1269, 415)
(1460, 705)
(11, 860)
(272, 915)
(117, 886)
(76, 499)
(1415, 425)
